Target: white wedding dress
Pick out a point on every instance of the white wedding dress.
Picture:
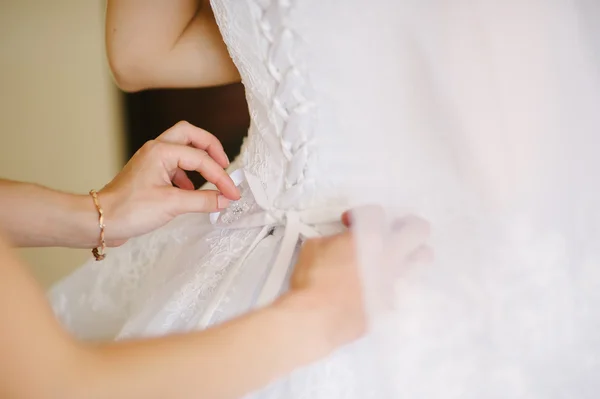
(479, 115)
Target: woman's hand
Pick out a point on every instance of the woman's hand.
(327, 279)
(322, 311)
(153, 188)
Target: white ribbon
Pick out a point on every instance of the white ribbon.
(297, 224)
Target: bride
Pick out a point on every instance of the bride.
(480, 115)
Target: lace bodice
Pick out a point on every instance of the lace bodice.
(294, 134)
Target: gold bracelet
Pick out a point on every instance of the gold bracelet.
(98, 252)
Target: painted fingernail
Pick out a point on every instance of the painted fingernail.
(347, 218)
(222, 202)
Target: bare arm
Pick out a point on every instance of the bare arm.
(33, 215)
(40, 361)
(322, 311)
(141, 198)
(166, 43)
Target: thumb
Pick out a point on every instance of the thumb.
(198, 201)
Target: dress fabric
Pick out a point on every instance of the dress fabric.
(480, 116)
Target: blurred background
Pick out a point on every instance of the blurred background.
(64, 124)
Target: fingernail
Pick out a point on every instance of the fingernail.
(227, 158)
(347, 218)
(222, 202)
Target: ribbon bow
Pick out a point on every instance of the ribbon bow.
(298, 224)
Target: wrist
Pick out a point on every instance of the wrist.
(118, 224)
(85, 221)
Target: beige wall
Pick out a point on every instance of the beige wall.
(59, 111)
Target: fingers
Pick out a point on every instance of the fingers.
(393, 244)
(407, 235)
(176, 156)
(181, 180)
(405, 249)
(196, 201)
(373, 214)
(397, 267)
(347, 218)
(402, 236)
(423, 254)
(184, 133)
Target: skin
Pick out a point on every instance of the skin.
(166, 43)
(150, 191)
(216, 363)
(322, 310)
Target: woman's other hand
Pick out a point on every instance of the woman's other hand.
(327, 279)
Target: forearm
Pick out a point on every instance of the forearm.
(40, 361)
(225, 362)
(166, 43)
(32, 215)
